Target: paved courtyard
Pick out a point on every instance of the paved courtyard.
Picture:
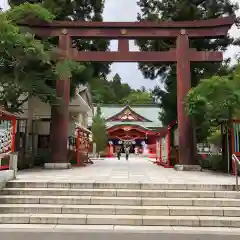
(134, 171)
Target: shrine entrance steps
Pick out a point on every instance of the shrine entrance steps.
(120, 207)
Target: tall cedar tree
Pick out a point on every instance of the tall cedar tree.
(19, 53)
(108, 92)
(90, 10)
(27, 64)
(179, 10)
(99, 131)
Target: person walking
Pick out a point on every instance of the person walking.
(118, 153)
(127, 150)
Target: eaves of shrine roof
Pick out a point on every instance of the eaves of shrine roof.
(149, 125)
(148, 111)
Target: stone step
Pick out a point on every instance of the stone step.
(127, 201)
(131, 220)
(120, 193)
(120, 210)
(94, 185)
(115, 228)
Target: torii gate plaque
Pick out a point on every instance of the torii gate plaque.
(182, 55)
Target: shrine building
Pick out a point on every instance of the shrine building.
(132, 125)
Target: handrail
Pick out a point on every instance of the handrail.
(237, 162)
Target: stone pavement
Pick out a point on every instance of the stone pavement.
(71, 234)
(134, 171)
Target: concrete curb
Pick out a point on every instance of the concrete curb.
(5, 176)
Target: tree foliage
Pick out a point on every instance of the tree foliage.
(114, 92)
(68, 10)
(75, 10)
(28, 66)
(138, 97)
(179, 10)
(99, 131)
(214, 100)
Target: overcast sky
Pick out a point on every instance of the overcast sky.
(124, 11)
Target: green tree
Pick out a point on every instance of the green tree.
(73, 11)
(120, 89)
(76, 10)
(214, 100)
(179, 10)
(99, 131)
(138, 98)
(101, 91)
(109, 92)
(27, 64)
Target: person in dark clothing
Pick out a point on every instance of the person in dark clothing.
(118, 153)
(127, 150)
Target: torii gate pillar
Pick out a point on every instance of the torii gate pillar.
(187, 141)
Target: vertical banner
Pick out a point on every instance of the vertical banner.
(164, 149)
(158, 146)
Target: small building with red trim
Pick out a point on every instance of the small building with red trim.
(134, 125)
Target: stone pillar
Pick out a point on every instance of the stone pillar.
(60, 118)
(13, 163)
(94, 150)
(187, 142)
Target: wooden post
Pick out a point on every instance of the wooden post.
(60, 117)
(186, 134)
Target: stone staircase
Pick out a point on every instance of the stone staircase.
(120, 204)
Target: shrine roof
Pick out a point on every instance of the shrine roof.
(147, 111)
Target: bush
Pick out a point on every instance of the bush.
(212, 162)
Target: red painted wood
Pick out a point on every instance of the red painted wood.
(119, 115)
(224, 21)
(60, 114)
(132, 33)
(202, 56)
(124, 56)
(186, 148)
(123, 45)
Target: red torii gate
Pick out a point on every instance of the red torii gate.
(123, 31)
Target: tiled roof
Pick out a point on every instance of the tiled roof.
(150, 112)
